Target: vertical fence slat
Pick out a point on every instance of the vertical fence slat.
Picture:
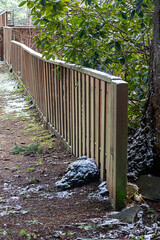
(38, 87)
(65, 103)
(46, 92)
(84, 112)
(88, 114)
(80, 113)
(97, 120)
(61, 102)
(42, 86)
(50, 94)
(53, 95)
(102, 153)
(109, 140)
(92, 81)
(76, 113)
(69, 129)
(56, 96)
(73, 114)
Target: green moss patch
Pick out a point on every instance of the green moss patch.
(26, 149)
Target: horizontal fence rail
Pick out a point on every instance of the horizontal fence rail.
(88, 108)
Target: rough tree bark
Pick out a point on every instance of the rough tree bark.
(144, 152)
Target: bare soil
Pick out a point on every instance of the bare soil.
(30, 205)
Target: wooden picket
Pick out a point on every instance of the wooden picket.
(87, 108)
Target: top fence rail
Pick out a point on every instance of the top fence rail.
(92, 72)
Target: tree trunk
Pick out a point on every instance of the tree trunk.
(144, 152)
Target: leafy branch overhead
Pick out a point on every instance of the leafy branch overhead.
(106, 35)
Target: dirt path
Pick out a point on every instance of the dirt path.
(30, 206)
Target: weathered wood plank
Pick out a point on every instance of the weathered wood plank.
(108, 139)
(48, 92)
(45, 88)
(58, 100)
(69, 84)
(61, 103)
(65, 103)
(53, 96)
(76, 113)
(119, 143)
(51, 93)
(73, 146)
(84, 113)
(56, 96)
(80, 113)
(88, 114)
(92, 82)
(97, 121)
(102, 153)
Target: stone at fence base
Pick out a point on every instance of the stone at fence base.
(79, 173)
(82, 158)
(149, 187)
(102, 189)
(127, 215)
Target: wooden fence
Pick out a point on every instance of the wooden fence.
(1, 43)
(7, 37)
(6, 18)
(88, 108)
(23, 34)
(3, 18)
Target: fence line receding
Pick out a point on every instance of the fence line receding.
(86, 107)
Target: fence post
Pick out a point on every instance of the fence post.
(117, 170)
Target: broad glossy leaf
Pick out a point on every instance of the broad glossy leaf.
(107, 61)
(117, 46)
(122, 60)
(22, 4)
(111, 45)
(45, 19)
(142, 25)
(140, 14)
(132, 14)
(124, 16)
(144, 5)
(139, 2)
(43, 3)
(138, 9)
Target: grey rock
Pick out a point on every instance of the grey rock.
(32, 106)
(82, 158)
(127, 215)
(79, 173)
(17, 176)
(149, 187)
(102, 189)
